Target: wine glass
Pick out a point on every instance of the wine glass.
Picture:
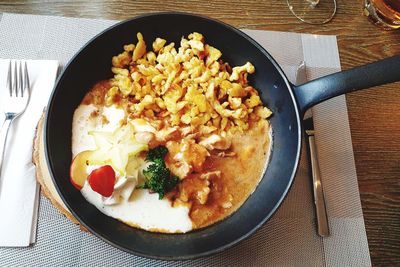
(313, 11)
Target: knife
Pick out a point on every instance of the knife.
(319, 199)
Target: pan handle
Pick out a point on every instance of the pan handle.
(376, 73)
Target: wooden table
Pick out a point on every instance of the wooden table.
(374, 113)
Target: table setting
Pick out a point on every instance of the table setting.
(319, 223)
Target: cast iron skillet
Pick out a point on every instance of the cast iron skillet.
(288, 103)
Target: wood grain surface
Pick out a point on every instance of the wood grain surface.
(374, 113)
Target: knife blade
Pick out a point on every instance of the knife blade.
(318, 194)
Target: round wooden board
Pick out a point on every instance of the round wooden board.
(43, 175)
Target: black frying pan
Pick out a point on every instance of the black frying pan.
(92, 63)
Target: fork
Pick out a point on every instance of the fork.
(16, 102)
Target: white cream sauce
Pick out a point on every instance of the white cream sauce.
(138, 208)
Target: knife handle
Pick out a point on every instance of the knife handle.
(319, 200)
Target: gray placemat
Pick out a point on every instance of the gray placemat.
(288, 239)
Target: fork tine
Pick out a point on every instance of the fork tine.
(9, 79)
(21, 76)
(15, 85)
(26, 84)
(21, 81)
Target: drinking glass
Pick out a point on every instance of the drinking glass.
(384, 13)
(313, 11)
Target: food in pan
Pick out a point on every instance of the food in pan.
(176, 140)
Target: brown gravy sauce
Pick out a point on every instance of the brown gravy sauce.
(96, 95)
(239, 178)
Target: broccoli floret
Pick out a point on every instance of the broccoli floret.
(157, 153)
(158, 177)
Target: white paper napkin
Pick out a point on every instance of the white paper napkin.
(19, 191)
